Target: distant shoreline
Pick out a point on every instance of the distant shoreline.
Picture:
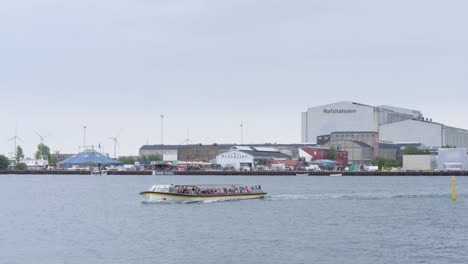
(241, 173)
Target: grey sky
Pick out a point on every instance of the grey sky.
(209, 65)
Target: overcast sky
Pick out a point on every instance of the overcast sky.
(209, 65)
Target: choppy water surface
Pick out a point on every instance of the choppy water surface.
(89, 219)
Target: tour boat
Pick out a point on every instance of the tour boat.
(336, 175)
(202, 193)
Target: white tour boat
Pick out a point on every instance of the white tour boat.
(336, 175)
(202, 193)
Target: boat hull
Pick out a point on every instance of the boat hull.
(183, 198)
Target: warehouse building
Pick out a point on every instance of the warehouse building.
(167, 152)
(361, 146)
(419, 162)
(390, 125)
(247, 158)
(207, 153)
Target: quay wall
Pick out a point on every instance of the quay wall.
(243, 173)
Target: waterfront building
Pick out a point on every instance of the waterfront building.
(247, 158)
(167, 152)
(35, 164)
(419, 162)
(322, 153)
(388, 123)
(207, 153)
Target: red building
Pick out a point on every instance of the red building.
(342, 158)
(316, 153)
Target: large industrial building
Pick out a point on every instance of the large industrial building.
(390, 125)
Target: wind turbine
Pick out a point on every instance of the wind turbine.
(14, 141)
(42, 141)
(188, 141)
(115, 139)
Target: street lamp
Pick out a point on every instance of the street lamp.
(162, 129)
(84, 138)
(242, 133)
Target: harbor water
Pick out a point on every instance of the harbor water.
(101, 219)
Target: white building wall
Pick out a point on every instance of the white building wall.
(455, 137)
(426, 133)
(233, 159)
(413, 113)
(389, 117)
(342, 116)
(304, 138)
(394, 124)
(418, 162)
(169, 156)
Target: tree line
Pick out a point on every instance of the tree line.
(130, 160)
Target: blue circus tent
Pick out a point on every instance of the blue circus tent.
(89, 157)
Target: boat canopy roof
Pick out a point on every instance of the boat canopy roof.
(202, 186)
(212, 185)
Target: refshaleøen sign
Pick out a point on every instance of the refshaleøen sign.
(339, 111)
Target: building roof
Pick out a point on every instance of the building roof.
(160, 147)
(354, 132)
(361, 144)
(218, 146)
(397, 146)
(266, 154)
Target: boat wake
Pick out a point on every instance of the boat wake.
(359, 196)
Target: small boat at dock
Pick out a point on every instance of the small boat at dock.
(336, 175)
(99, 172)
(302, 174)
(202, 193)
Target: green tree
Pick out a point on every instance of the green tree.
(127, 160)
(150, 158)
(4, 162)
(44, 149)
(19, 154)
(380, 162)
(332, 153)
(385, 163)
(21, 166)
(53, 159)
(413, 150)
(391, 163)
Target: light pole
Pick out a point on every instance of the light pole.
(242, 133)
(115, 145)
(162, 129)
(84, 138)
